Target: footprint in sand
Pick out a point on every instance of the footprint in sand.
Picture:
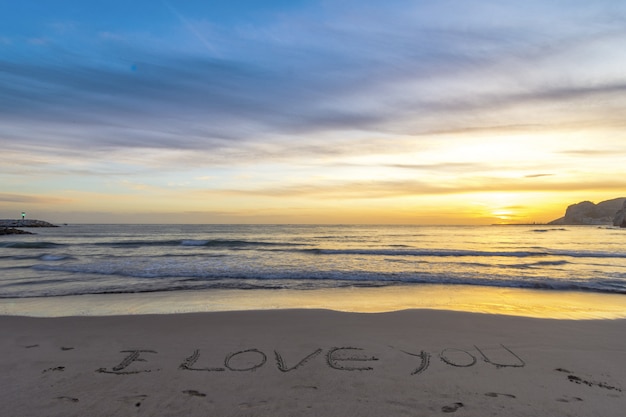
(451, 408)
(499, 394)
(194, 393)
(135, 400)
(58, 368)
(578, 380)
(569, 399)
(252, 404)
(70, 399)
(304, 387)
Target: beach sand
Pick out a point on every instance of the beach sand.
(312, 363)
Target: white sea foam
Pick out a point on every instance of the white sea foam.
(53, 258)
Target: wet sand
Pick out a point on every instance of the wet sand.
(467, 298)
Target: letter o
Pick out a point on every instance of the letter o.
(471, 362)
(263, 359)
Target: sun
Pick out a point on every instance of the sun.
(503, 214)
(499, 207)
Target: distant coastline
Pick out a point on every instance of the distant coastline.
(519, 224)
(605, 213)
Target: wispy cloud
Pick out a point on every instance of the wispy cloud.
(190, 27)
(31, 199)
(538, 175)
(412, 188)
(353, 71)
(618, 150)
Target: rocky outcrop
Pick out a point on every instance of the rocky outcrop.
(586, 212)
(25, 223)
(620, 217)
(13, 231)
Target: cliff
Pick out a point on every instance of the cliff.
(620, 217)
(586, 212)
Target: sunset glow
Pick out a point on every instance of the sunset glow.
(310, 111)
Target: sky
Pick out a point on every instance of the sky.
(310, 111)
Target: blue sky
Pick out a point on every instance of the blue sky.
(310, 111)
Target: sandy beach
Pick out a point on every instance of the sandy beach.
(312, 363)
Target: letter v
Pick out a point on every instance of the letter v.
(280, 363)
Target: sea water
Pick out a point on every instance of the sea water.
(103, 259)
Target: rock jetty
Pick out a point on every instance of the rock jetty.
(8, 226)
(25, 223)
(586, 212)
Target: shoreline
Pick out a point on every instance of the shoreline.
(570, 305)
(312, 363)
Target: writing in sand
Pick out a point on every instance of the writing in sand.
(347, 358)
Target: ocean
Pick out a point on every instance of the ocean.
(120, 259)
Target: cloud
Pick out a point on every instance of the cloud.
(450, 166)
(538, 175)
(190, 27)
(29, 199)
(615, 152)
(411, 188)
(399, 70)
(313, 85)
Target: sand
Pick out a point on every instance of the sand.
(312, 363)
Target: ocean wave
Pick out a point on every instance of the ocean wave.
(213, 243)
(425, 252)
(53, 287)
(53, 258)
(550, 263)
(30, 245)
(192, 276)
(589, 254)
(464, 253)
(539, 264)
(156, 258)
(191, 242)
